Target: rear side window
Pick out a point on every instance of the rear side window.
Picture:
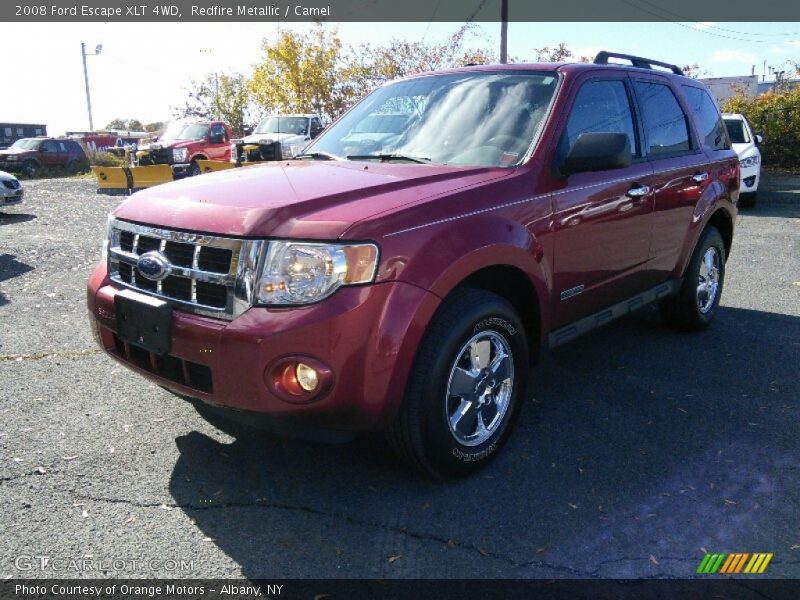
(601, 106)
(664, 120)
(708, 118)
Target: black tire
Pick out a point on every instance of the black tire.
(30, 168)
(684, 311)
(71, 168)
(748, 200)
(421, 433)
(194, 169)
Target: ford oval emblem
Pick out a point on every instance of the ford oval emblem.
(153, 265)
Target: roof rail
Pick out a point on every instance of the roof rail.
(637, 61)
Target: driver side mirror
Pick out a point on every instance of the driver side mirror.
(759, 140)
(597, 152)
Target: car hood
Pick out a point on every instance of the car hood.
(298, 199)
(6, 176)
(744, 150)
(284, 138)
(15, 152)
(171, 144)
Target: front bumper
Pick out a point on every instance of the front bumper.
(9, 196)
(365, 335)
(750, 178)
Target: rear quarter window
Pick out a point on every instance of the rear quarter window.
(709, 121)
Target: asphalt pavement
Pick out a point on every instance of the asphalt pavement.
(638, 451)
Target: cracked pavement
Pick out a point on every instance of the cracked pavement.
(638, 450)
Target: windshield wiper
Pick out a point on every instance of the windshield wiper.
(390, 157)
(316, 156)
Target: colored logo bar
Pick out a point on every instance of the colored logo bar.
(736, 562)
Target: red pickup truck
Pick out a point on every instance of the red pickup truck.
(183, 144)
(411, 288)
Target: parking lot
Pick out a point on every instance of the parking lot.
(639, 449)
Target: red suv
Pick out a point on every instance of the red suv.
(31, 155)
(410, 289)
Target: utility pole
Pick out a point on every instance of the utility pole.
(503, 31)
(98, 49)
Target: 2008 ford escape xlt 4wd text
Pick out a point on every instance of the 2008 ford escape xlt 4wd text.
(409, 287)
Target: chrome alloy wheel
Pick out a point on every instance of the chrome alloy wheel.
(479, 388)
(708, 280)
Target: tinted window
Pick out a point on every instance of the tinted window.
(50, 146)
(600, 107)
(737, 131)
(218, 130)
(664, 121)
(708, 118)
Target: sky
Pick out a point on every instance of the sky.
(145, 70)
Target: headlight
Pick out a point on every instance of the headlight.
(106, 241)
(179, 155)
(750, 161)
(304, 273)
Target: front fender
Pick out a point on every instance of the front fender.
(440, 257)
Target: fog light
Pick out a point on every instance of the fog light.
(307, 377)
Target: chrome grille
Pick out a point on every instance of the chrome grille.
(208, 275)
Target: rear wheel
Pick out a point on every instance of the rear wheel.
(695, 305)
(465, 387)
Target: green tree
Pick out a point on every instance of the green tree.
(126, 125)
(219, 96)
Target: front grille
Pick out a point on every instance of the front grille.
(207, 275)
(184, 372)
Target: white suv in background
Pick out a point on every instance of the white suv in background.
(746, 144)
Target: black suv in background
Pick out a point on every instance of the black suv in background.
(29, 156)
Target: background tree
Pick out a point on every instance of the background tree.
(126, 125)
(154, 127)
(300, 72)
(219, 96)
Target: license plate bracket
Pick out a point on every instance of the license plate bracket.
(143, 321)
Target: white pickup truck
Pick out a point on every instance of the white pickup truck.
(276, 137)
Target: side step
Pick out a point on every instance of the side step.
(587, 324)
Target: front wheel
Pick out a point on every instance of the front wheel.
(467, 382)
(194, 169)
(30, 168)
(695, 305)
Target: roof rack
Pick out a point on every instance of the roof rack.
(637, 61)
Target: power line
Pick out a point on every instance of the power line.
(711, 26)
(689, 27)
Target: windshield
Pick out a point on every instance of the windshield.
(26, 144)
(181, 131)
(737, 131)
(485, 119)
(296, 125)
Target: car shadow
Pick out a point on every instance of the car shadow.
(636, 441)
(10, 267)
(12, 218)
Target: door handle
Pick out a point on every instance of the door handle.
(637, 192)
(700, 177)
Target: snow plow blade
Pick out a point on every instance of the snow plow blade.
(123, 181)
(209, 166)
(145, 177)
(112, 180)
